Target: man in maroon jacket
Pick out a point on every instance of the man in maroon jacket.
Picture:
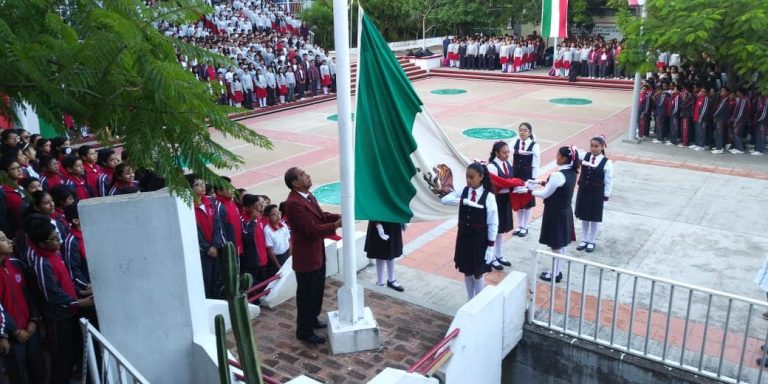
(309, 225)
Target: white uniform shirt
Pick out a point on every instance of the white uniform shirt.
(607, 170)
(556, 180)
(491, 217)
(279, 240)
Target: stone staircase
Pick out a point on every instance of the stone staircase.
(530, 78)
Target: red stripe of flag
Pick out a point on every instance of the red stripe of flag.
(563, 18)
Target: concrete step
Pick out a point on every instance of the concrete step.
(607, 84)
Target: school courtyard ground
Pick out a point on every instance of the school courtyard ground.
(687, 216)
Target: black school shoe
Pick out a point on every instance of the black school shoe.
(547, 276)
(395, 285)
(582, 246)
(313, 339)
(523, 232)
(590, 247)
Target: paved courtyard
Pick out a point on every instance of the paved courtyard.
(686, 216)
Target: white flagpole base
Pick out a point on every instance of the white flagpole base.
(345, 337)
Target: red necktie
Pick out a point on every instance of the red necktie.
(474, 196)
(506, 172)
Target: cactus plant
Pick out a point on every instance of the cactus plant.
(221, 348)
(235, 287)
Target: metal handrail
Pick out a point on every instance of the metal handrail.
(714, 370)
(123, 365)
(262, 284)
(450, 336)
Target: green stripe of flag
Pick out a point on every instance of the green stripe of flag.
(546, 18)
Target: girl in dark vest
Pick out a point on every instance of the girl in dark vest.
(557, 222)
(384, 243)
(503, 181)
(595, 185)
(525, 165)
(478, 225)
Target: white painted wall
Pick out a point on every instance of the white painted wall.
(427, 63)
(477, 349)
(405, 45)
(147, 279)
(398, 376)
(514, 289)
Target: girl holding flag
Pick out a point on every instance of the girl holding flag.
(525, 166)
(500, 171)
(557, 229)
(478, 226)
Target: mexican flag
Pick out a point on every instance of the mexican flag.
(554, 18)
(404, 162)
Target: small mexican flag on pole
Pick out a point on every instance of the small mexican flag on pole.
(554, 18)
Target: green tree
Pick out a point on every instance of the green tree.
(320, 17)
(732, 34)
(105, 64)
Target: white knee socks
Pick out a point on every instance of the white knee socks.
(594, 227)
(391, 270)
(380, 265)
(558, 262)
(497, 246)
(380, 271)
(585, 231)
(479, 285)
(523, 223)
(469, 283)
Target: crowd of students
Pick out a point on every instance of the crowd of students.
(593, 58)
(696, 108)
(274, 61)
(45, 282)
(508, 53)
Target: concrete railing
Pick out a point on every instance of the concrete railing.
(409, 44)
(701, 330)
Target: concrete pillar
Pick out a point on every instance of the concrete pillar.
(146, 276)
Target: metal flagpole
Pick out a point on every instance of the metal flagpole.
(350, 304)
(632, 134)
(352, 328)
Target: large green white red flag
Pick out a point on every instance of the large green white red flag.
(404, 162)
(554, 18)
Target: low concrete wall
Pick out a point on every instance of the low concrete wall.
(405, 45)
(543, 356)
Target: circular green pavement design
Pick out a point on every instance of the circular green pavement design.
(570, 101)
(328, 194)
(336, 117)
(449, 91)
(490, 133)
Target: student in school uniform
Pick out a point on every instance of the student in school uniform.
(91, 170)
(644, 119)
(50, 175)
(504, 57)
(61, 302)
(673, 111)
(687, 101)
(472, 50)
(107, 160)
(478, 226)
(251, 261)
(660, 101)
(123, 182)
(230, 214)
(25, 361)
(277, 239)
(209, 237)
(595, 186)
(517, 57)
(282, 85)
(73, 251)
(14, 196)
(700, 112)
(567, 58)
(325, 77)
(762, 126)
(739, 121)
(525, 166)
(75, 178)
(260, 83)
(384, 243)
(237, 91)
(557, 230)
(499, 165)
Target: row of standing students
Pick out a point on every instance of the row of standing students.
(484, 216)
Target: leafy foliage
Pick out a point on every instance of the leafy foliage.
(731, 33)
(104, 63)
